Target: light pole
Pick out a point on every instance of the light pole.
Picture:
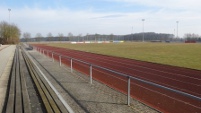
(9, 15)
(132, 34)
(177, 27)
(9, 23)
(143, 30)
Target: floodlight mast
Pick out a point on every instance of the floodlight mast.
(143, 30)
(177, 28)
(132, 35)
(9, 23)
(9, 14)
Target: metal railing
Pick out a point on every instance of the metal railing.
(91, 66)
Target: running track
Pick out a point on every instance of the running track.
(183, 79)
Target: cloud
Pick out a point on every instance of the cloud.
(170, 4)
(159, 17)
(109, 16)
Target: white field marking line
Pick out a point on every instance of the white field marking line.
(141, 66)
(147, 71)
(54, 89)
(159, 76)
(176, 87)
(167, 85)
(151, 91)
(172, 86)
(173, 79)
(164, 95)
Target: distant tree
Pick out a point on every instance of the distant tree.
(38, 37)
(87, 36)
(79, 37)
(191, 36)
(60, 36)
(149, 36)
(111, 37)
(9, 33)
(49, 37)
(96, 37)
(26, 36)
(70, 35)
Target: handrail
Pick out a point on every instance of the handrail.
(135, 78)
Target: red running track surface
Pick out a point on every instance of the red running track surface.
(183, 79)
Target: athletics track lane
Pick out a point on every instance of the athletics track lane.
(183, 79)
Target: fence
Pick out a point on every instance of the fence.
(163, 98)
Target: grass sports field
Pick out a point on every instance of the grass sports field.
(177, 54)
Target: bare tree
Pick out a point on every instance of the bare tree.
(111, 37)
(38, 37)
(9, 33)
(70, 35)
(26, 36)
(79, 37)
(96, 36)
(60, 36)
(49, 37)
(87, 36)
(191, 36)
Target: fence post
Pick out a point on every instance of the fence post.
(91, 74)
(60, 60)
(71, 65)
(129, 80)
(43, 52)
(52, 57)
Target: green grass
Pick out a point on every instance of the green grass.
(177, 54)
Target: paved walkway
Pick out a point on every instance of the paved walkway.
(3, 46)
(6, 58)
(83, 97)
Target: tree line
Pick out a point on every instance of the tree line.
(192, 37)
(9, 33)
(148, 36)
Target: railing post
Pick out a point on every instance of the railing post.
(71, 65)
(47, 53)
(43, 52)
(128, 97)
(60, 60)
(91, 74)
(52, 57)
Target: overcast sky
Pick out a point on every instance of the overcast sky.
(103, 16)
